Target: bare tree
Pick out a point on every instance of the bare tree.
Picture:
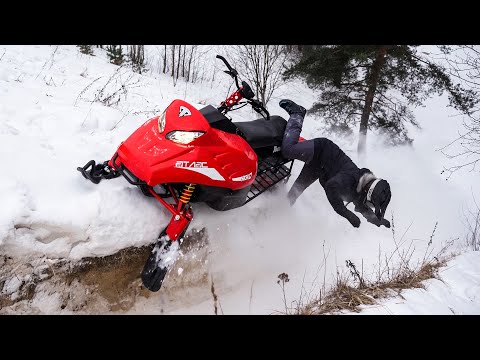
(465, 66)
(190, 60)
(173, 60)
(178, 60)
(160, 59)
(181, 61)
(472, 224)
(165, 59)
(197, 69)
(262, 66)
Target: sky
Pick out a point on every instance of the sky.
(50, 124)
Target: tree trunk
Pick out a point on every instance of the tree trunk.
(183, 60)
(165, 60)
(190, 63)
(173, 63)
(178, 59)
(142, 57)
(132, 55)
(372, 82)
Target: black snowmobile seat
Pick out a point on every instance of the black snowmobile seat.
(261, 133)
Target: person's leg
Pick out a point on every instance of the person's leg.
(291, 148)
(308, 175)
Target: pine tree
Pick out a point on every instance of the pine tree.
(374, 85)
(115, 54)
(86, 49)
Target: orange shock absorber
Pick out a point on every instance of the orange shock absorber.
(187, 193)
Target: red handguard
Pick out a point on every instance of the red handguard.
(233, 99)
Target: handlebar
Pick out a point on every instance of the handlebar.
(259, 108)
(244, 91)
(231, 71)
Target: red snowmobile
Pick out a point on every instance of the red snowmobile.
(187, 155)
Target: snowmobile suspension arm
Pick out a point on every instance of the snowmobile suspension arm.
(170, 207)
(182, 214)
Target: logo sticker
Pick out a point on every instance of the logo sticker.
(200, 167)
(192, 164)
(243, 178)
(184, 112)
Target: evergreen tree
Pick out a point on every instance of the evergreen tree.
(374, 85)
(115, 54)
(86, 49)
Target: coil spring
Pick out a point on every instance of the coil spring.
(187, 193)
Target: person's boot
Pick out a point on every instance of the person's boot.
(291, 108)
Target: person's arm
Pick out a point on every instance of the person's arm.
(291, 148)
(370, 215)
(333, 196)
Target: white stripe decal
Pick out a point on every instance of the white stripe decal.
(370, 190)
(210, 172)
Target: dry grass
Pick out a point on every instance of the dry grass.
(396, 272)
(345, 297)
(472, 224)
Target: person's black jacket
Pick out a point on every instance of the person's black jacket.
(340, 177)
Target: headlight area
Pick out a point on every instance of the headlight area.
(183, 137)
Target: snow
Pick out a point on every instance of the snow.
(49, 125)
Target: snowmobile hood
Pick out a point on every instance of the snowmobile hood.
(148, 146)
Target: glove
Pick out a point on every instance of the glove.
(385, 223)
(354, 220)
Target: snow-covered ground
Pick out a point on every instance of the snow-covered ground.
(50, 124)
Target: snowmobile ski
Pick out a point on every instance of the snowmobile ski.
(161, 259)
